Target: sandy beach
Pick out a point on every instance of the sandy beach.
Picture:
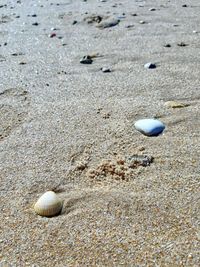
(68, 127)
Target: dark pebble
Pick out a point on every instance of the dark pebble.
(167, 45)
(150, 65)
(86, 60)
(53, 34)
(129, 26)
(35, 24)
(182, 44)
(105, 70)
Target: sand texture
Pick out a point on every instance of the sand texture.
(69, 127)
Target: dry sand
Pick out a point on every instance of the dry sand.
(60, 119)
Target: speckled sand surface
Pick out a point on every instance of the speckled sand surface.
(60, 119)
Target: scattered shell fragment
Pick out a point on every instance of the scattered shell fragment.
(48, 205)
(175, 104)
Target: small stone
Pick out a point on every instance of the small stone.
(129, 26)
(108, 23)
(150, 65)
(35, 24)
(17, 54)
(134, 14)
(104, 69)
(106, 115)
(53, 34)
(74, 22)
(54, 29)
(167, 45)
(175, 104)
(152, 9)
(184, 5)
(142, 22)
(86, 60)
(149, 127)
(194, 31)
(182, 44)
(93, 19)
(139, 160)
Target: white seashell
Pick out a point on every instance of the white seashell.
(48, 204)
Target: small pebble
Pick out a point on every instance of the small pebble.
(104, 69)
(149, 127)
(184, 5)
(134, 14)
(107, 24)
(167, 45)
(129, 26)
(86, 60)
(142, 22)
(53, 34)
(150, 65)
(152, 9)
(74, 22)
(35, 24)
(182, 44)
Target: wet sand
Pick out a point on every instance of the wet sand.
(69, 127)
